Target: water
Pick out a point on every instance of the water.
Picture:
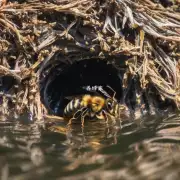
(146, 149)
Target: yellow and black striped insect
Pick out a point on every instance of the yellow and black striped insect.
(92, 106)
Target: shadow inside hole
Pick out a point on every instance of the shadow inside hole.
(6, 83)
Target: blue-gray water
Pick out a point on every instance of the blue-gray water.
(147, 149)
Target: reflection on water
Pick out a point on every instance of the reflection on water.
(145, 149)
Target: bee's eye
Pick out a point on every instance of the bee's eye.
(109, 105)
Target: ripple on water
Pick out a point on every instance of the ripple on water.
(145, 149)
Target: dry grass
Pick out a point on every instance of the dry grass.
(29, 33)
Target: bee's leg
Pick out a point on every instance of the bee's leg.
(83, 117)
(106, 116)
(120, 123)
(70, 120)
(107, 120)
(118, 116)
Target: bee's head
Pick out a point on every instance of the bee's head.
(110, 105)
(97, 103)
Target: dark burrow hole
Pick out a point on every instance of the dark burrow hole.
(66, 80)
(74, 80)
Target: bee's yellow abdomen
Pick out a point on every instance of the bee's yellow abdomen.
(76, 104)
(72, 107)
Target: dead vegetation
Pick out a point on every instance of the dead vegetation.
(33, 31)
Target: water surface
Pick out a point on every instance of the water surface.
(145, 149)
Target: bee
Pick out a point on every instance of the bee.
(89, 103)
(92, 106)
